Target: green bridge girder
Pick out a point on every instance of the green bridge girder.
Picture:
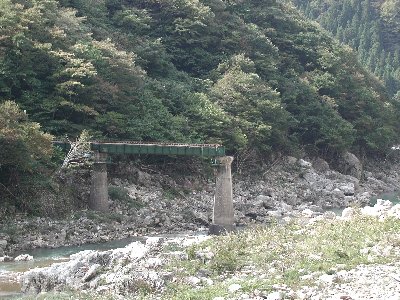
(128, 147)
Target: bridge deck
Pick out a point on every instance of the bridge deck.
(131, 147)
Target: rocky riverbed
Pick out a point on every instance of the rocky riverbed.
(139, 269)
(148, 202)
(145, 203)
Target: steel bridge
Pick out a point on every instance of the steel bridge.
(223, 220)
(130, 147)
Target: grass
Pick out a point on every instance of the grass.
(285, 254)
(261, 257)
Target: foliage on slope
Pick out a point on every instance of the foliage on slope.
(251, 74)
(369, 26)
(25, 151)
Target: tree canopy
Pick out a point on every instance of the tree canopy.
(253, 74)
(371, 27)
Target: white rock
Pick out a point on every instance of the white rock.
(153, 241)
(342, 273)
(329, 215)
(287, 219)
(306, 277)
(338, 193)
(301, 295)
(385, 203)
(275, 296)
(204, 255)
(3, 244)
(274, 213)
(193, 280)
(23, 257)
(195, 240)
(219, 298)
(348, 189)
(307, 212)
(370, 211)
(153, 276)
(6, 259)
(234, 287)
(315, 257)
(153, 262)
(286, 207)
(135, 250)
(305, 164)
(327, 278)
(148, 220)
(386, 250)
(91, 273)
(207, 281)
(291, 160)
(395, 211)
(348, 213)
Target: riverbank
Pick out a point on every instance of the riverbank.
(144, 203)
(322, 257)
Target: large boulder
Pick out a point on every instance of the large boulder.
(349, 164)
(320, 165)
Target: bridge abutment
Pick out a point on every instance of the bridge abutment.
(223, 220)
(99, 188)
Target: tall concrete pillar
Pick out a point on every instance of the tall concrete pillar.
(223, 199)
(99, 188)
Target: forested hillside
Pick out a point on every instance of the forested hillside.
(372, 27)
(249, 74)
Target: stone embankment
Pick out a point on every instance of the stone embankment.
(159, 203)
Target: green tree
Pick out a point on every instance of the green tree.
(25, 152)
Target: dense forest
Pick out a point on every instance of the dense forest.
(253, 75)
(371, 27)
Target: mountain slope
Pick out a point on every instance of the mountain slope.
(372, 27)
(252, 75)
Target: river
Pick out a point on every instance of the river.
(43, 257)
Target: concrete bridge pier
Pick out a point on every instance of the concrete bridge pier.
(223, 199)
(99, 188)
